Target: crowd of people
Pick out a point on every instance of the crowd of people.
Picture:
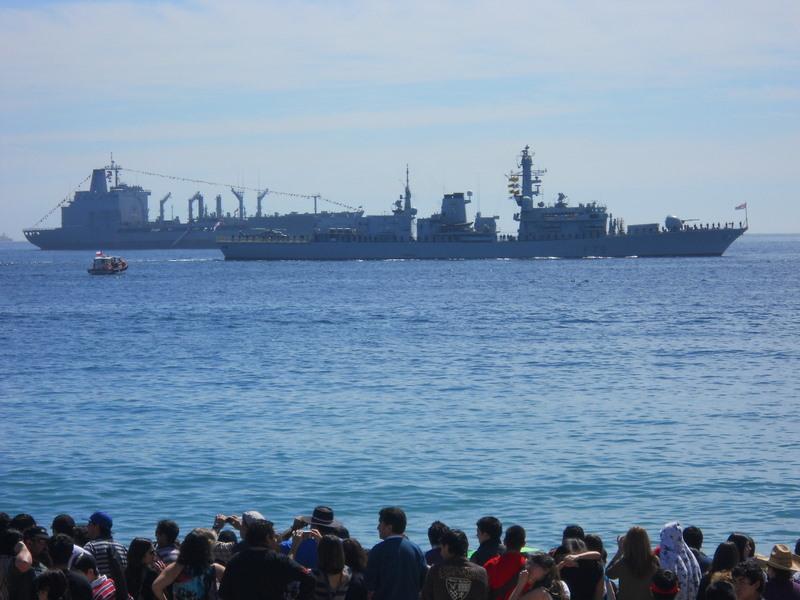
(244, 557)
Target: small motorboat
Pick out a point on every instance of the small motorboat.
(107, 265)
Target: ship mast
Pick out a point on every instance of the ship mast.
(531, 178)
(113, 168)
(407, 205)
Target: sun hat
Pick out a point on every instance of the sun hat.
(781, 558)
(322, 517)
(251, 516)
(101, 519)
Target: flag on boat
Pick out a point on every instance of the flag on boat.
(742, 206)
(217, 225)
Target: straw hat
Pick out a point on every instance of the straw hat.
(781, 558)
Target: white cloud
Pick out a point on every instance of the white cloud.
(67, 50)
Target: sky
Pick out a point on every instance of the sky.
(651, 108)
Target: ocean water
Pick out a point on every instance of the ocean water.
(602, 392)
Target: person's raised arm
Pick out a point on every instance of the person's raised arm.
(165, 579)
(23, 559)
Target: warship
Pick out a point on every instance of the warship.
(115, 216)
(555, 230)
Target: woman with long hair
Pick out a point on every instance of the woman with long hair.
(193, 575)
(726, 557)
(334, 580)
(539, 580)
(633, 565)
(140, 572)
(355, 556)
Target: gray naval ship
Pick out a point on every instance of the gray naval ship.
(112, 215)
(557, 230)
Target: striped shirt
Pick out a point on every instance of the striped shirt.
(101, 548)
(103, 588)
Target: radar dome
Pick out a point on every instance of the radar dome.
(673, 223)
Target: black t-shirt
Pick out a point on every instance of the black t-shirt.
(582, 580)
(261, 574)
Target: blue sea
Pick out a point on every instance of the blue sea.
(601, 392)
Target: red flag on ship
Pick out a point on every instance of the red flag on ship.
(742, 206)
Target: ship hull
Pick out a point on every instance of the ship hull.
(704, 242)
(84, 238)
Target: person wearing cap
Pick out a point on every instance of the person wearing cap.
(222, 552)
(302, 546)
(102, 545)
(781, 564)
(35, 539)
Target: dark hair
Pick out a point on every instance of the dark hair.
(195, 552)
(742, 541)
(595, 542)
(573, 531)
(638, 553)
(330, 555)
(550, 581)
(693, 537)
(394, 517)
(750, 570)
(81, 535)
(168, 528)
(5, 519)
(780, 574)
(8, 539)
(515, 538)
(720, 590)
(63, 524)
(227, 535)
(726, 556)
(435, 532)
(355, 556)
(54, 582)
(259, 533)
(84, 562)
(664, 579)
(60, 548)
(22, 522)
(569, 546)
(134, 572)
(456, 542)
(491, 526)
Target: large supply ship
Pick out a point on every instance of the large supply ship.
(113, 215)
(557, 230)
